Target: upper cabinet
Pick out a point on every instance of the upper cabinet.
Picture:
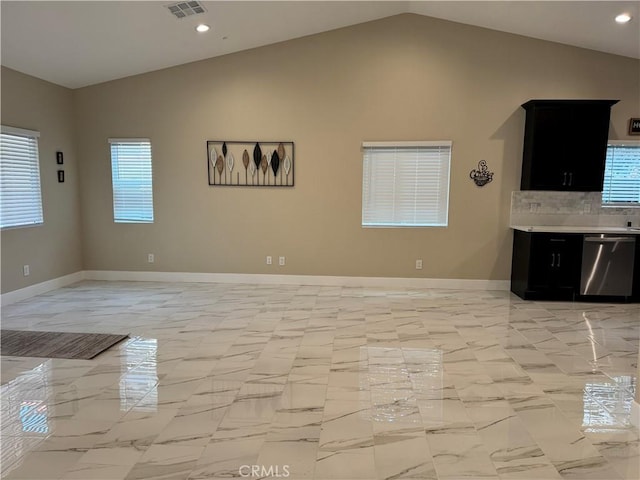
(565, 144)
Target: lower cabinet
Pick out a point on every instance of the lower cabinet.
(546, 266)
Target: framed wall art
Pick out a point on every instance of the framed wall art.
(250, 163)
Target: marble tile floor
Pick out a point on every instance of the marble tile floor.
(306, 382)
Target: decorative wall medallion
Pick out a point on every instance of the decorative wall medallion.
(270, 164)
(481, 176)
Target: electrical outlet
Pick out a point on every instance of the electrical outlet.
(269, 260)
(151, 258)
(419, 264)
(25, 270)
(586, 207)
(281, 261)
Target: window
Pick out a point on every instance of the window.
(406, 184)
(131, 176)
(621, 187)
(20, 196)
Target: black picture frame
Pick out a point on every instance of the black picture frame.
(634, 126)
(59, 158)
(60, 176)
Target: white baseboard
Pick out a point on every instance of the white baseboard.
(264, 279)
(635, 414)
(40, 288)
(321, 280)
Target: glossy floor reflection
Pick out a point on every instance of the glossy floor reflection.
(250, 381)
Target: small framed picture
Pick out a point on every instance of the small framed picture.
(634, 126)
(60, 176)
(59, 158)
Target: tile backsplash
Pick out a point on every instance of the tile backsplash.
(531, 207)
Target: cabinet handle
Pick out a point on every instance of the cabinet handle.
(610, 240)
(553, 260)
(564, 182)
(570, 178)
(558, 264)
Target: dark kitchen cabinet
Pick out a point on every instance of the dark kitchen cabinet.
(546, 266)
(565, 144)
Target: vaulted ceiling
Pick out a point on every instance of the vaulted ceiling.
(81, 43)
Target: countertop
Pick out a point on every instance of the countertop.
(577, 229)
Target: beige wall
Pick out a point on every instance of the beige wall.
(403, 78)
(54, 248)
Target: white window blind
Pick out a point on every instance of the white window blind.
(621, 186)
(406, 184)
(20, 196)
(132, 180)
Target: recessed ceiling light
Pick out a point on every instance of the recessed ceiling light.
(202, 28)
(623, 18)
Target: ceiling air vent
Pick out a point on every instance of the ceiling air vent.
(186, 9)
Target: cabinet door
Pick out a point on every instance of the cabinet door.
(551, 162)
(568, 259)
(590, 128)
(555, 261)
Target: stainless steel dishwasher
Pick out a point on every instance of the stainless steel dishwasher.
(607, 265)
